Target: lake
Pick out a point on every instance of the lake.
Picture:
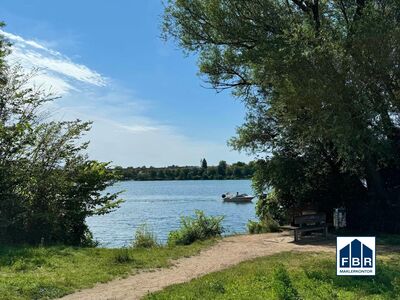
(160, 204)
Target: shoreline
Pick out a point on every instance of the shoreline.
(200, 179)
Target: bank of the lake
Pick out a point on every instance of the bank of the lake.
(51, 272)
(160, 204)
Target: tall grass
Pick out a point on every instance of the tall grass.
(200, 227)
(263, 226)
(145, 237)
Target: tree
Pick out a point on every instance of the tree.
(161, 174)
(211, 173)
(320, 81)
(203, 164)
(221, 168)
(152, 174)
(237, 172)
(48, 186)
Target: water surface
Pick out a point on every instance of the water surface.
(160, 204)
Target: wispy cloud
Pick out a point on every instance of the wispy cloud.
(122, 131)
(56, 71)
(22, 41)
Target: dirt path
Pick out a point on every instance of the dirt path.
(228, 252)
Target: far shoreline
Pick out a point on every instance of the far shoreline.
(222, 171)
(200, 179)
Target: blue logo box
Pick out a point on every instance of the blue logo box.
(355, 256)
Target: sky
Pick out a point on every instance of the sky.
(106, 59)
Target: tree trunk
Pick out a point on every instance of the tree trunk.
(378, 197)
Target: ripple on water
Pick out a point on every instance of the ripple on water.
(160, 204)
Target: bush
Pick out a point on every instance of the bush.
(269, 206)
(263, 226)
(270, 214)
(255, 227)
(87, 240)
(48, 185)
(196, 228)
(144, 238)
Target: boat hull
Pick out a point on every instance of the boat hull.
(238, 199)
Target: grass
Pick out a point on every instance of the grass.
(388, 239)
(51, 272)
(144, 237)
(381, 238)
(290, 276)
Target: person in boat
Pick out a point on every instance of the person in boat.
(237, 194)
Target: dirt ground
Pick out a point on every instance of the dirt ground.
(226, 253)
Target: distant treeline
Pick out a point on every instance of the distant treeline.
(239, 170)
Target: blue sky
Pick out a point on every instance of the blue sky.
(107, 60)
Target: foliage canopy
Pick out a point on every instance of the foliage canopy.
(48, 186)
(321, 83)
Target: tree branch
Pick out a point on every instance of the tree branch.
(359, 9)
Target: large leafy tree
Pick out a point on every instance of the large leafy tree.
(320, 80)
(48, 186)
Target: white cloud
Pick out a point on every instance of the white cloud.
(139, 128)
(53, 84)
(121, 133)
(22, 41)
(128, 139)
(57, 71)
(161, 146)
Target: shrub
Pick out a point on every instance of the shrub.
(48, 185)
(255, 227)
(144, 238)
(196, 228)
(269, 206)
(263, 226)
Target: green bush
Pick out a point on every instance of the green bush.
(270, 206)
(196, 228)
(263, 226)
(255, 227)
(48, 185)
(144, 238)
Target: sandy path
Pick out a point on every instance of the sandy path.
(227, 252)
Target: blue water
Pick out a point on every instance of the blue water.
(160, 204)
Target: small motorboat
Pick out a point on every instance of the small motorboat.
(238, 198)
